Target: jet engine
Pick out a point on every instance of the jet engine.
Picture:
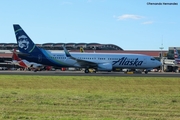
(104, 67)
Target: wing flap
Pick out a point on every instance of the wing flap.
(86, 63)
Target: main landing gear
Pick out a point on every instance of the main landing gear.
(146, 71)
(90, 71)
(86, 71)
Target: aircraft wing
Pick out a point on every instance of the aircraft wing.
(82, 63)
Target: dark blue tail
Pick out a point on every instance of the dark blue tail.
(25, 44)
(31, 52)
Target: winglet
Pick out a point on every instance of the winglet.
(66, 51)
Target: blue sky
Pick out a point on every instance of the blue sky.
(130, 24)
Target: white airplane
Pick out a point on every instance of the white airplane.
(97, 61)
(24, 63)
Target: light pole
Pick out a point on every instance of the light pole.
(162, 61)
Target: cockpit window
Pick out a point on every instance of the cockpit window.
(153, 59)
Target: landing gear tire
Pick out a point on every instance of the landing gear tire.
(146, 72)
(86, 71)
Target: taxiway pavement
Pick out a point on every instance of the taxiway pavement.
(80, 73)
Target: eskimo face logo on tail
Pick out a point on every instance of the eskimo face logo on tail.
(23, 42)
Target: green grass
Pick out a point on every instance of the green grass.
(89, 98)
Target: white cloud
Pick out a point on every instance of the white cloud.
(128, 16)
(148, 22)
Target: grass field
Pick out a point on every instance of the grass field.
(89, 98)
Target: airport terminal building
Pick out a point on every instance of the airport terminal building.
(7, 48)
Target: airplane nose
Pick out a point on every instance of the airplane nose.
(159, 63)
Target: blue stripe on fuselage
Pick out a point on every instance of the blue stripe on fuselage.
(50, 59)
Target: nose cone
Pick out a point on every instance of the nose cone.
(158, 63)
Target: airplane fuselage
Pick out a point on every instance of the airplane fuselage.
(117, 60)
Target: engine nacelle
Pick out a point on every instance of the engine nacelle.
(31, 65)
(105, 67)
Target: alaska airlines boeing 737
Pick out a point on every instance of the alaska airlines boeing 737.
(97, 61)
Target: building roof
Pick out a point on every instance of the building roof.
(49, 46)
(155, 53)
(5, 55)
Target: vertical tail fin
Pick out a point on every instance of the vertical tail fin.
(81, 49)
(176, 54)
(18, 60)
(15, 56)
(25, 44)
